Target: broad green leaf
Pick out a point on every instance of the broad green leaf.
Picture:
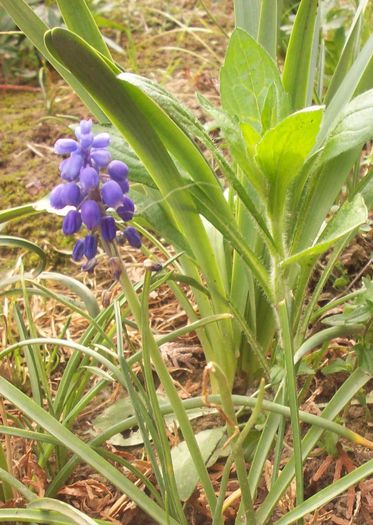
(33, 27)
(78, 18)
(299, 67)
(245, 78)
(186, 475)
(353, 128)
(283, 150)
(349, 217)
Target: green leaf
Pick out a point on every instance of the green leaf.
(299, 67)
(78, 18)
(364, 352)
(354, 127)
(268, 26)
(348, 218)
(283, 150)
(185, 472)
(245, 79)
(247, 19)
(347, 87)
(349, 50)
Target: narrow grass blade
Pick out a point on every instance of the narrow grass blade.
(247, 19)
(298, 73)
(18, 242)
(349, 52)
(327, 494)
(268, 26)
(92, 458)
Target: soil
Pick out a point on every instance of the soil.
(158, 48)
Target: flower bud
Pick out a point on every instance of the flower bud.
(88, 178)
(127, 209)
(90, 246)
(85, 126)
(108, 228)
(111, 193)
(78, 250)
(90, 265)
(56, 197)
(65, 146)
(102, 140)
(70, 193)
(86, 140)
(124, 185)
(71, 222)
(118, 170)
(71, 167)
(101, 157)
(132, 236)
(91, 213)
(115, 268)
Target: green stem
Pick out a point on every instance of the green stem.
(287, 342)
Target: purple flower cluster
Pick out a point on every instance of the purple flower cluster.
(92, 183)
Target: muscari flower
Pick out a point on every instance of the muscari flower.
(92, 184)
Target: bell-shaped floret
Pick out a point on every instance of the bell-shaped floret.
(112, 194)
(126, 209)
(65, 146)
(108, 228)
(71, 167)
(118, 170)
(88, 178)
(71, 194)
(91, 213)
(90, 246)
(71, 222)
(78, 250)
(102, 140)
(101, 157)
(56, 197)
(132, 236)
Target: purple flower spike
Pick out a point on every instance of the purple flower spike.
(65, 146)
(56, 197)
(90, 246)
(126, 210)
(132, 236)
(118, 170)
(70, 193)
(108, 228)
(102, 140)
(91, 213)
(72, 222)
(71, 167)
(101, 157)
(88, 178)
(78, 250)
(112, 194)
